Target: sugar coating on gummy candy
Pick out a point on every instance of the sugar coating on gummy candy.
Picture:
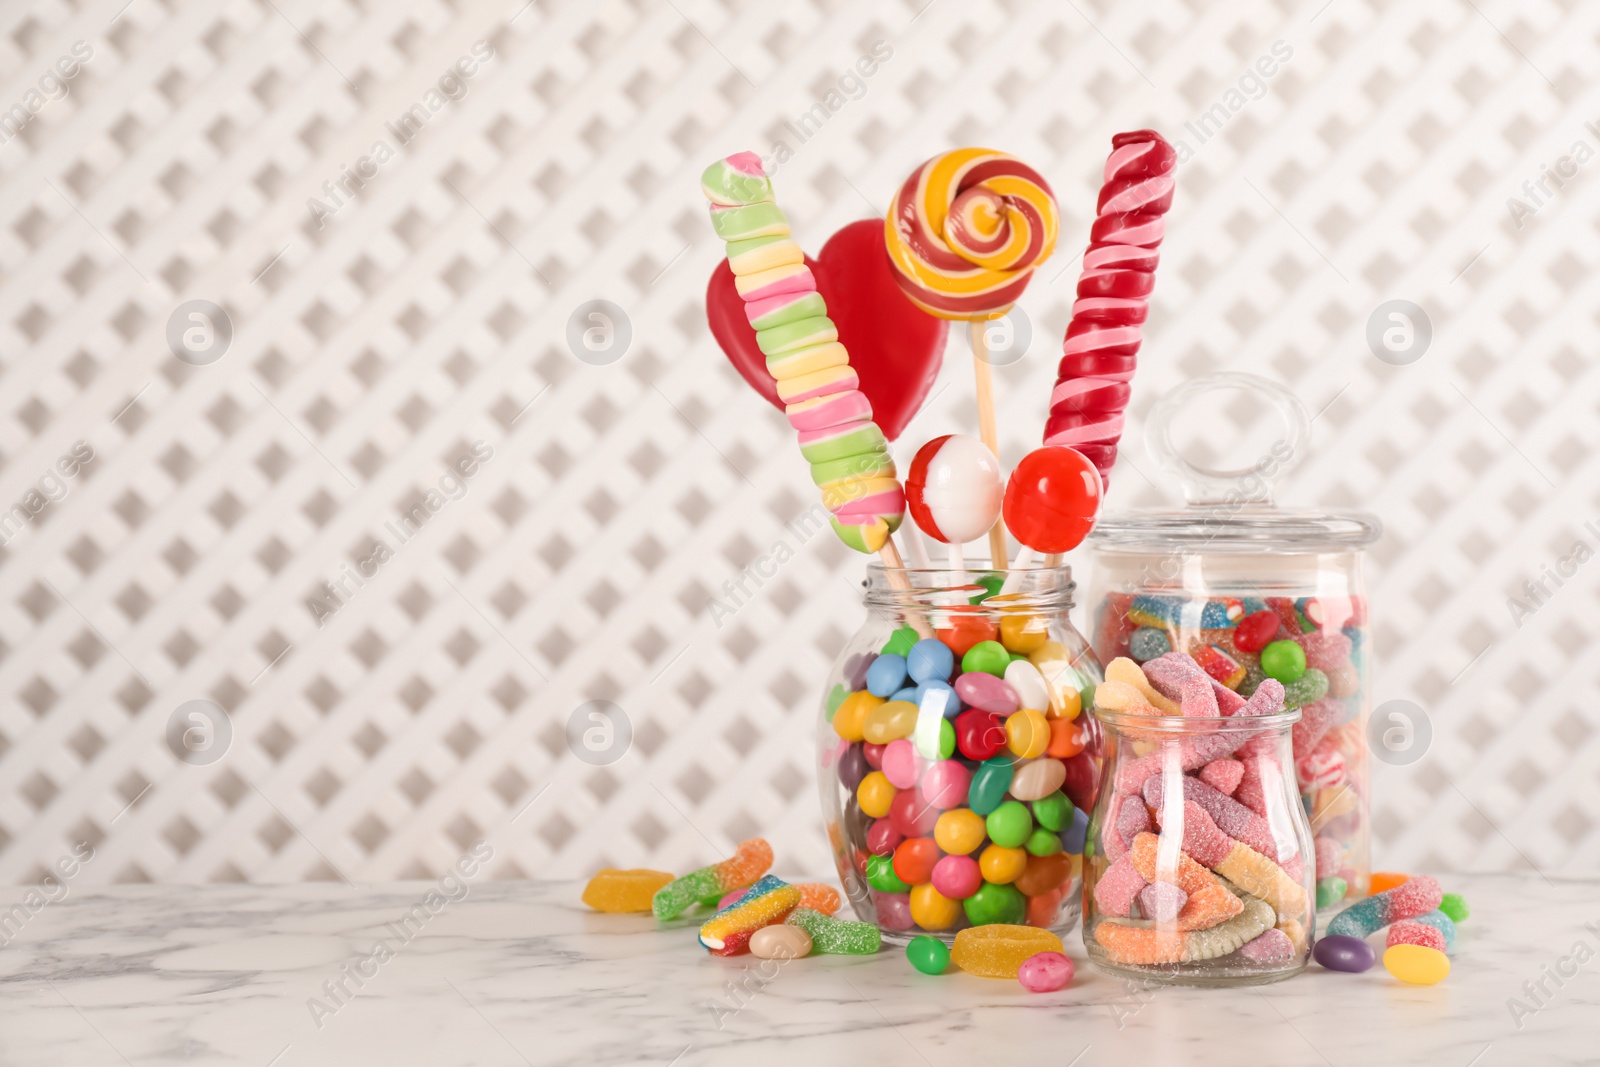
(1223, 775)
(1316, 719)
(1046, 972)
(620, 892)
(1239, 863)
(1230, 816)
(1309, 688)
(999, 950)
(1150, 945)
(1321, 768)
(1326, 650)
(768, 901)
(751, 860)
(1455, 906)
(1412, 932)
(1147, 643)
(1419, 895)
(1133, 819)
(1196, 752)
(1440, 922)
(1330, 856)
(1167, 673)
(836, 936)
(819, 897)
(1119, 887)
(1161, 901)
(1210, 902)
(1197, 699)
(1272, 946)
(1128, 672)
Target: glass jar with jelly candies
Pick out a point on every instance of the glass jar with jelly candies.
(956, 767)
(1253, 591)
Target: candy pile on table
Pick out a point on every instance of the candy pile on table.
(964, 755)
(1312, 647)
(1421, 922)
(1229, 890)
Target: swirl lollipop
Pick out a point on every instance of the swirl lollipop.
(1103, 339)
(965, 233)
(953, 491)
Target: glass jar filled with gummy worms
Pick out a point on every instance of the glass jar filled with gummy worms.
(1252, 591)
(955, 764)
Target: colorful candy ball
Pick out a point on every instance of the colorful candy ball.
(954, 488)
(1046, 972)
(1052, 499)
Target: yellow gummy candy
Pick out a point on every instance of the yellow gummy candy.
(998, 950)
(623, 891)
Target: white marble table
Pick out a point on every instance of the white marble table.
(524, 974)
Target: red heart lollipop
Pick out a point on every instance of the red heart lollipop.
(1052, 499)
(895, 347)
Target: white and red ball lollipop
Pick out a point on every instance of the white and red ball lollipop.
(1052, 500)
(954, 491)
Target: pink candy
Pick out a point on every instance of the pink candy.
(1119, 887)
(1197, 698)
(1326, 650)
(1133, 819)
(1161, 901)
(1167, 672)
(1230, 816)
(987, 693)
(1045, 972)
(1196, 752)
(894, 910)
(883, 838)
(1330, 856)
(957, 877)
(1321, 768)
(1316, 719)
(1206, 844)
(1223, 775)
(901, 764)
(944, 785)
(1410, 932)
(1273, 946)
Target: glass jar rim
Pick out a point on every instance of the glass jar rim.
(1191, 725)
(1040, 586)
(1248, 527)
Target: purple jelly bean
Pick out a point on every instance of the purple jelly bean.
(853, 767)
(1338, 952)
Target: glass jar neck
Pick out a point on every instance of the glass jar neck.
(1037, 588)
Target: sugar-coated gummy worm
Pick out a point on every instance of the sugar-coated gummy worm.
(1232, 817)
(769, 901)
(1210, 902)
(750, 861)
(819, 897)
(1414, 932)
(1239, 863)
(1147, 945)
(1196, 752)
(836, 936)
(1442, 923)
(1417, 896)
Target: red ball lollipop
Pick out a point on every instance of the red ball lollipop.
(1052, 499)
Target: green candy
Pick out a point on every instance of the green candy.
(835, 698)
(928, 954)
(1309, 688)
(881, 876)
(1010, 824)
(989, 784)
(1283, 660)
(1330, 891)
(947, 739)
(1253, 677)
(836, 936)
(900, 642)
(1455, 906)
(991, 584)
(750, 221)
(989, 657)
(995, 904)
(1053, 812)
(1043, 842)
(1085, 693)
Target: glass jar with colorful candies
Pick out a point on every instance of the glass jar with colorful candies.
(956, 766)
(1251, 591)
(1198, 869)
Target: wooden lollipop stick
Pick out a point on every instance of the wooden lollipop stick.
(894, 570)
(987, 430)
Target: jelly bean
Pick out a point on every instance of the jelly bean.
(901, 764)
(873, 754)
(1330, 891)
(893, 910)
(947, 739)
(886, 675)
(1273, 946)
(1161, 901)
(851, 718)
(883, 838)
(1042, 842)
(881, 876)
(945, 784)
(619, 892)
(928, 954)
(875, 795)
(836, 935)
(1044, 909)
(995, 903)
(1339, 952)
(1309, 688)
(937, 694)
(1419, 895)
(930, 660)
(1383, 881)
(1045, 972)
(911, 815)
(1001, 866)
(855, 669)
(1027, 734)
(999, 949)
(1029, 685)
(957, 877)
(991, 585)
(1255, 631)
(1023, 633)
(987, 693)
(1073, 837)
(780, 942)
(853, 767)
(1283, 660)
(1067, 738)
(1037, 779)
(1414, 964)
(1009, 824)
(979, 734)
(768, 901)
(932, 910)
(750, 861)
(1042, 874)
(1455, 906)
(1052, 812)
(964, 631)
(900, 642)
(990, 783)
(959, 831)
(1147, 643)
(1082, 782)
(836, 697)
(989, 657)
(1412, 932)
(889, 721)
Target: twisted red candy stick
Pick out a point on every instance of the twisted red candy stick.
(1102, 341)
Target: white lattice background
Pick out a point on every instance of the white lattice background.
(430, 313)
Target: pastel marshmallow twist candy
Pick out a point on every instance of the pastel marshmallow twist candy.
(1418, 895)
(848, 453)
(1103, 339)
(750, 861)
(836, 936)
(967, 230)
(1240, 864)
(769, 901)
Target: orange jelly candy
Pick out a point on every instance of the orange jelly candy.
(623, 891)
